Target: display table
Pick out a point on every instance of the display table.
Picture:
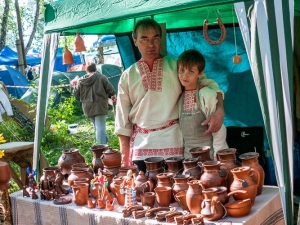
(26, 211)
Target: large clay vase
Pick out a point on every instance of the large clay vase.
(111, 158)
(228, 157)
(165, 180)
(251, 159)
(212, 175)
(124, 169)
(115, 189)
(191, 168)
(79, 173)
(142, 184)
(202, 153)
(68, 158)
(97, 151)
(154, 167)
(80, 194)
(4, 176)
(243, 181)
(174, 164)
(212, 208)
(194, 196)
(180, 183)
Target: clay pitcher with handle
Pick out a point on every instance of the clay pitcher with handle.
(142, 184)
(194, 196)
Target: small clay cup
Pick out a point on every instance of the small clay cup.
(148, 199)
(163, 196)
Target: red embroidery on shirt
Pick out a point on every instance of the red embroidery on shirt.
(189, 101)
(158, 152)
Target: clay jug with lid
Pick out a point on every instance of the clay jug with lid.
(174, 164)
(212, 208)
(154, 166)
(111, 158)
(202, 153)
(97, 151)
(194, 196)
(243, 181)
(142, 185)
(80, 194)
(165, 180)
(68, 158)
(192, 168)
(212, 175)
(251, 159)
(228, 157)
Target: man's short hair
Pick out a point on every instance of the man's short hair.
(91, 68)
(146, 24)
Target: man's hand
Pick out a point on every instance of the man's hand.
(125, 150)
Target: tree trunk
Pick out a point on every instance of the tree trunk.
(35, 22)
(4, 25)
(100, 55)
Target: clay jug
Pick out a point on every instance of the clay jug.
(115, 189)
(111, 158)
(123, 171)
(180, 183)
(142, 184)
(192, 168)
(194, 196)
(227, 156)
(212, 175)
(79, 173)
(154, 166)
(4, 176)
(251, 159)
(97, 151)
(163, 196)
(165, 180)
(68, 158)
(212, 208)
(180, 198)
(224, 196)
(202, 153)
(174, 164)
(80, 194)
(243, 181)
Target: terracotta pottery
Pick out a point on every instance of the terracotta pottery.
(224, 196)
(202, 153)
(212, 175)
(82, 180)
(239, 208)
(165, 180)
(111, 158)
(228, 157)
(68, 158)
(110, 205)
(180, 198)
(251, 159)
(142, 184)
(154, 167)
(4, 176)
(101, 203)
(83, 165)
(49, 173)
(180, 183)
(79, 173)
(97, 151)
(174, 164)
(109, 176)
(123, 171)
(115, 189)
(243, 181)
(91, 203)
(194, 196)
(95, 191)
(113, 170)
(163, 196)
(80, 194)
(212, 208)
(191, 168)
(148, 199)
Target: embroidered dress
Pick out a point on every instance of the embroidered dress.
(147, 109)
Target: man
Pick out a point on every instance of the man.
(147, 111)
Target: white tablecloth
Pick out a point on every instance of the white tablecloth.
(26, 211)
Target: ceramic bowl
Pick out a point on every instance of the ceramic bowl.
(239, 208)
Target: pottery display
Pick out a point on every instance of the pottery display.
(123, 171)
(212, 208)
(97, 151)
(251, 159)
(79, 173)
(192, 168)
(174, 164)
(194, 196)
(4, 176)
(80, 194)
(163, 196)
(180, 198)
(154, 166)
(243, 181)
(142, 184)
(239, 208)
(148, 199)
(212, 175)
(202, 153)
(111, 158)
(228, 157)
(68, 158)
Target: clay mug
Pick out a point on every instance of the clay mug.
(148, 199)
(180, 197)
(163, 196)
(80, 194)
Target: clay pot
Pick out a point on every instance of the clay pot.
(4, 176)
(81, 180)
(212, 175)
(180, 198)
(80, 194)
(227, 156)
(174, 164)
(212, 208)
(79, 173)
(111, 158)
(165, 180)
(154, 167)
(224, 196)
(239, 208)
(142, 184)
(148, 199)
(97, 151)
(113, 170)
(194, 196)
(123, 171)
(202, 153)
(49, 172)
(68, 158)
(163, 196)
(83, 165)
(115, 189)
(191, 168)
(91, 203)
(180, 183)
(243, 181)
(251, 159)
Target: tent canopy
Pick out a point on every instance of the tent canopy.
(10, 58)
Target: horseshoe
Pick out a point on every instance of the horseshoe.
(223, 32)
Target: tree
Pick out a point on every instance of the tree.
(4, 25)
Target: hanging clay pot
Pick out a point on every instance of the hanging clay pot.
(174, 164)
(68, 158)
(97, 151)
(67, 57)
(4, 176)
(202, 153)
(79, 43)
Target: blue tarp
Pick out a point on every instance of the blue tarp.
(10, 58)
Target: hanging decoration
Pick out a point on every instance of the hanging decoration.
(79, 43)
(67, 56)
(236, 59)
